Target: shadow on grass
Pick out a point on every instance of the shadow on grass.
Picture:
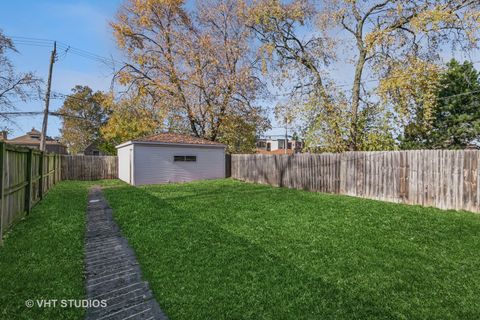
(43, 256)
(199, 270)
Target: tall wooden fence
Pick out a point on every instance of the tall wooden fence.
(25, 176)
(89, 167)
(440, 178)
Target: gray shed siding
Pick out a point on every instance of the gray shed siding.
(154, 163)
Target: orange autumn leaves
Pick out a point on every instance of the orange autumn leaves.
(208, 64)
(196, 65)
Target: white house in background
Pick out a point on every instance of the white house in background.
(170, 157)
(275, 144)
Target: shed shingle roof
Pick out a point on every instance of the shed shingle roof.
(176, 138)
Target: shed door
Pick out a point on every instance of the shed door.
(130, 162)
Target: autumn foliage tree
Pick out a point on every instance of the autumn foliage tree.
(129, 118)
(395, 41)
(84, 112)
(197, 66)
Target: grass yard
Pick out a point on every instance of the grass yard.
(42, 256)
(229, 250)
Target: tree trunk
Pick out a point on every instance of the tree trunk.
(356, 99)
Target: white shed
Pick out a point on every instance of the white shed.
(170, 157)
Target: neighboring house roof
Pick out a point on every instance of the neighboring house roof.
(92, 145)
(92, 149)
(33, 138)
(173, 138)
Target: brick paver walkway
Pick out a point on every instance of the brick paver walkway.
(112, 271)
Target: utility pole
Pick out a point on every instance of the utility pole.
(43, 136)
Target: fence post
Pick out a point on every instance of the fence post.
(228, 165)
(60, 166)
(57, 161)
(28, 193)
(343, 173)
(54, 170)
(2, 178)
(40, 182)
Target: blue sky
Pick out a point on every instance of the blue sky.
(81, 24)
(84, 25)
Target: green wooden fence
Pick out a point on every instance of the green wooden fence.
(25, 176)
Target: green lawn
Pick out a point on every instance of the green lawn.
(230, 250)
(42, 256)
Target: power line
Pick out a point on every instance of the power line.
(47, 43)
(21, 113)
(39, 42)
(38, 113)
(59, 95)
(87, 54)
(95, 57)
(363, 82)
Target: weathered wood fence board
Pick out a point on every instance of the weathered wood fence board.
(445, 179)
(25, 176)
(89, 167)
